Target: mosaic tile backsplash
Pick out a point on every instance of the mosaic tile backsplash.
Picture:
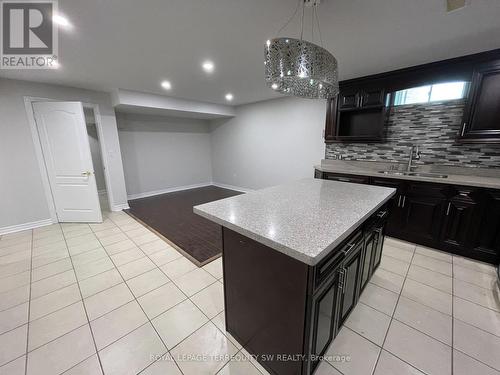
(431, 126)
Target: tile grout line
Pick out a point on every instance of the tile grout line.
(394, 311)
(85, 309)
(29, 308)
(209, 320)
(140, 306)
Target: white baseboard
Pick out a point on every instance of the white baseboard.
(169, 190)
(25, 226)
(232, 187)
(120, 207)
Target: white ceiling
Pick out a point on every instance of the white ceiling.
(134, 44)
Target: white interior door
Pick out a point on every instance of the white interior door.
(66, 151)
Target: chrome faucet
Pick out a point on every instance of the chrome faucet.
(414, 149)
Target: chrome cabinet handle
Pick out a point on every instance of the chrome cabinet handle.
(448, 209)
(463, 129)
(399, 201)
(404, 201)
(351, 246)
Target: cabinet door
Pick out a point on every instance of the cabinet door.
(486, 246)
(372, 98)
(350, 281)
(460, 221)
(324, 316)
(330, 134)
(422, 218)
(482, 114)
(370, 249)
(377, 255)
(349, 100)
(393, 226)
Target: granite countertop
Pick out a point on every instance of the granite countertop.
(453, 179)
(304, 219)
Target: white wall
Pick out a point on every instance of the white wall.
(22, 197)
(161, 153)
(268, 143)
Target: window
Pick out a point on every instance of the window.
(431, 93)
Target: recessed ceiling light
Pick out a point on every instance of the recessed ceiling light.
(208, 66)
(61, 21)
(166, 85)
(229, 97)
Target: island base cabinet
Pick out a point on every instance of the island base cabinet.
(286, 313)
(265, 295)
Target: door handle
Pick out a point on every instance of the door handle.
(87, 174)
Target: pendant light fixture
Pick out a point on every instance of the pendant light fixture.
(297, 67)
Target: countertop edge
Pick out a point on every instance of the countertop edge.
(443, 181)
(311, 261)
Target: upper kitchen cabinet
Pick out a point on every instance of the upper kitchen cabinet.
(360, 98)
(356, 115)
(361, 110)
(482, 115)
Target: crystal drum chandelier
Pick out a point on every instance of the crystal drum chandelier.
(297, 67)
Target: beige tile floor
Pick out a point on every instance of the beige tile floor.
(113, 298)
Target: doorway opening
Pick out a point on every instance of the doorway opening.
(97, 160)
(74, 131)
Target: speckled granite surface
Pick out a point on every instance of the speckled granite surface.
(304, 219)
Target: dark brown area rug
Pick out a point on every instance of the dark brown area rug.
(171, 216)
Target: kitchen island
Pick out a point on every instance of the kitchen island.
(295, 259)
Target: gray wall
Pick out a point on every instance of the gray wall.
(268, 143)
(161, 153)
(433, 127)
(22, 197)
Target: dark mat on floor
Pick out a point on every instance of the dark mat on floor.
(171, 216)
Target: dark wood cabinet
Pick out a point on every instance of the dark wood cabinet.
(368, 257)
(482, 114)
(324, 317)
(346, 178)
(380, 235)
(393, 226)
(486, 240)
(349, 99)
(457, 219)
(420, 215)
(372, 97)
(350, 279)
(460, 221)
(356, 114)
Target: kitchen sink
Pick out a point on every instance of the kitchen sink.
(414, 174)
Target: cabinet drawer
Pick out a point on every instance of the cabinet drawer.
(426, 189)
(346, 178)
(329, 265)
